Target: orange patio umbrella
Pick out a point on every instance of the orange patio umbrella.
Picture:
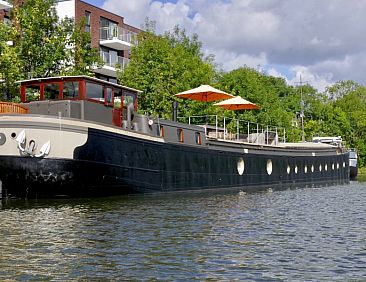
(204, 93)
(237, 103)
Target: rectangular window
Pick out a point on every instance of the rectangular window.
(108, 96)
(33, 93)
(51, 91)
(198, 138)
(161, 131)
(180, 135)
(94, 91)
(87, 21)
(71, 90)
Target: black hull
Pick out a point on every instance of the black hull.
(115, 164)
(353, 171)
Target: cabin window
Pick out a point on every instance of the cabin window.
(306, 168)
(288, 169)
(161, 131)
(71, 90)
(32, 93)
(94, 91)
(117, 98)
(108, 95)
(198, 138)
(128, 98)
(51, 91)
(180, 135)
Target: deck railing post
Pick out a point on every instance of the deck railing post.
(224, 129)
(284, 135)
(267, 136)
(276, 138)
(257, 139)
(189, 120)
(237, 129)
(248, 132)
(216, 126)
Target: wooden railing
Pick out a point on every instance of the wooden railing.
(12, 108)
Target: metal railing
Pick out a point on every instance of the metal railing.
(114, 61)
(109, 33)
(238, 130)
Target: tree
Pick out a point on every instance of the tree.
(43, 46)
(9, 63)
(163, 65)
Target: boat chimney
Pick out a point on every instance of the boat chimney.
(175, 111)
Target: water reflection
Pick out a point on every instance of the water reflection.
(305, 234)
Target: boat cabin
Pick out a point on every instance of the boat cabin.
(78, 97)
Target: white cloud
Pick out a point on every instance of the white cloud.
(321, 39)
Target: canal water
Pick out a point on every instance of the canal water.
(310, 234)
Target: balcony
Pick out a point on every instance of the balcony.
(110, 64)
(117, 38)
(4, 5)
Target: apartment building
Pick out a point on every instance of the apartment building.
(4, 11)
(109, 33)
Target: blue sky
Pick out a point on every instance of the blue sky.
(318, 40)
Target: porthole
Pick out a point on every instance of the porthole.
(296, 169)
(332, 166)
(2, 139)
(312, 168)
(288, 169)
(240, 166)
(326, 167)
(269, 167)
(13, 135)
(306, 169)
(320, 167)
(337, 165)
(344, 164)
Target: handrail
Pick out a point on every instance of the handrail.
(12, 108)
(225, 128)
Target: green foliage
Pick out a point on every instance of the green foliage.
(162, 66)
(354, 107)
(9, 64)
(43, 46)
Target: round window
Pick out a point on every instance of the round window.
(306, 169)
(240, 165)
(296, 168)
(337, 165)
(269, 167)
(320, 167)
(326, 167)
(288, 169)
(344, 164)
(332, 166)
(312, 168)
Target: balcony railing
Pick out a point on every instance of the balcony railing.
(110, 33)
(5, 5)
(114, 61)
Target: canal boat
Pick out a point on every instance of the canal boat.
(79, 136)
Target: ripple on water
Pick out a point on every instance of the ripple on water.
(305, 234)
